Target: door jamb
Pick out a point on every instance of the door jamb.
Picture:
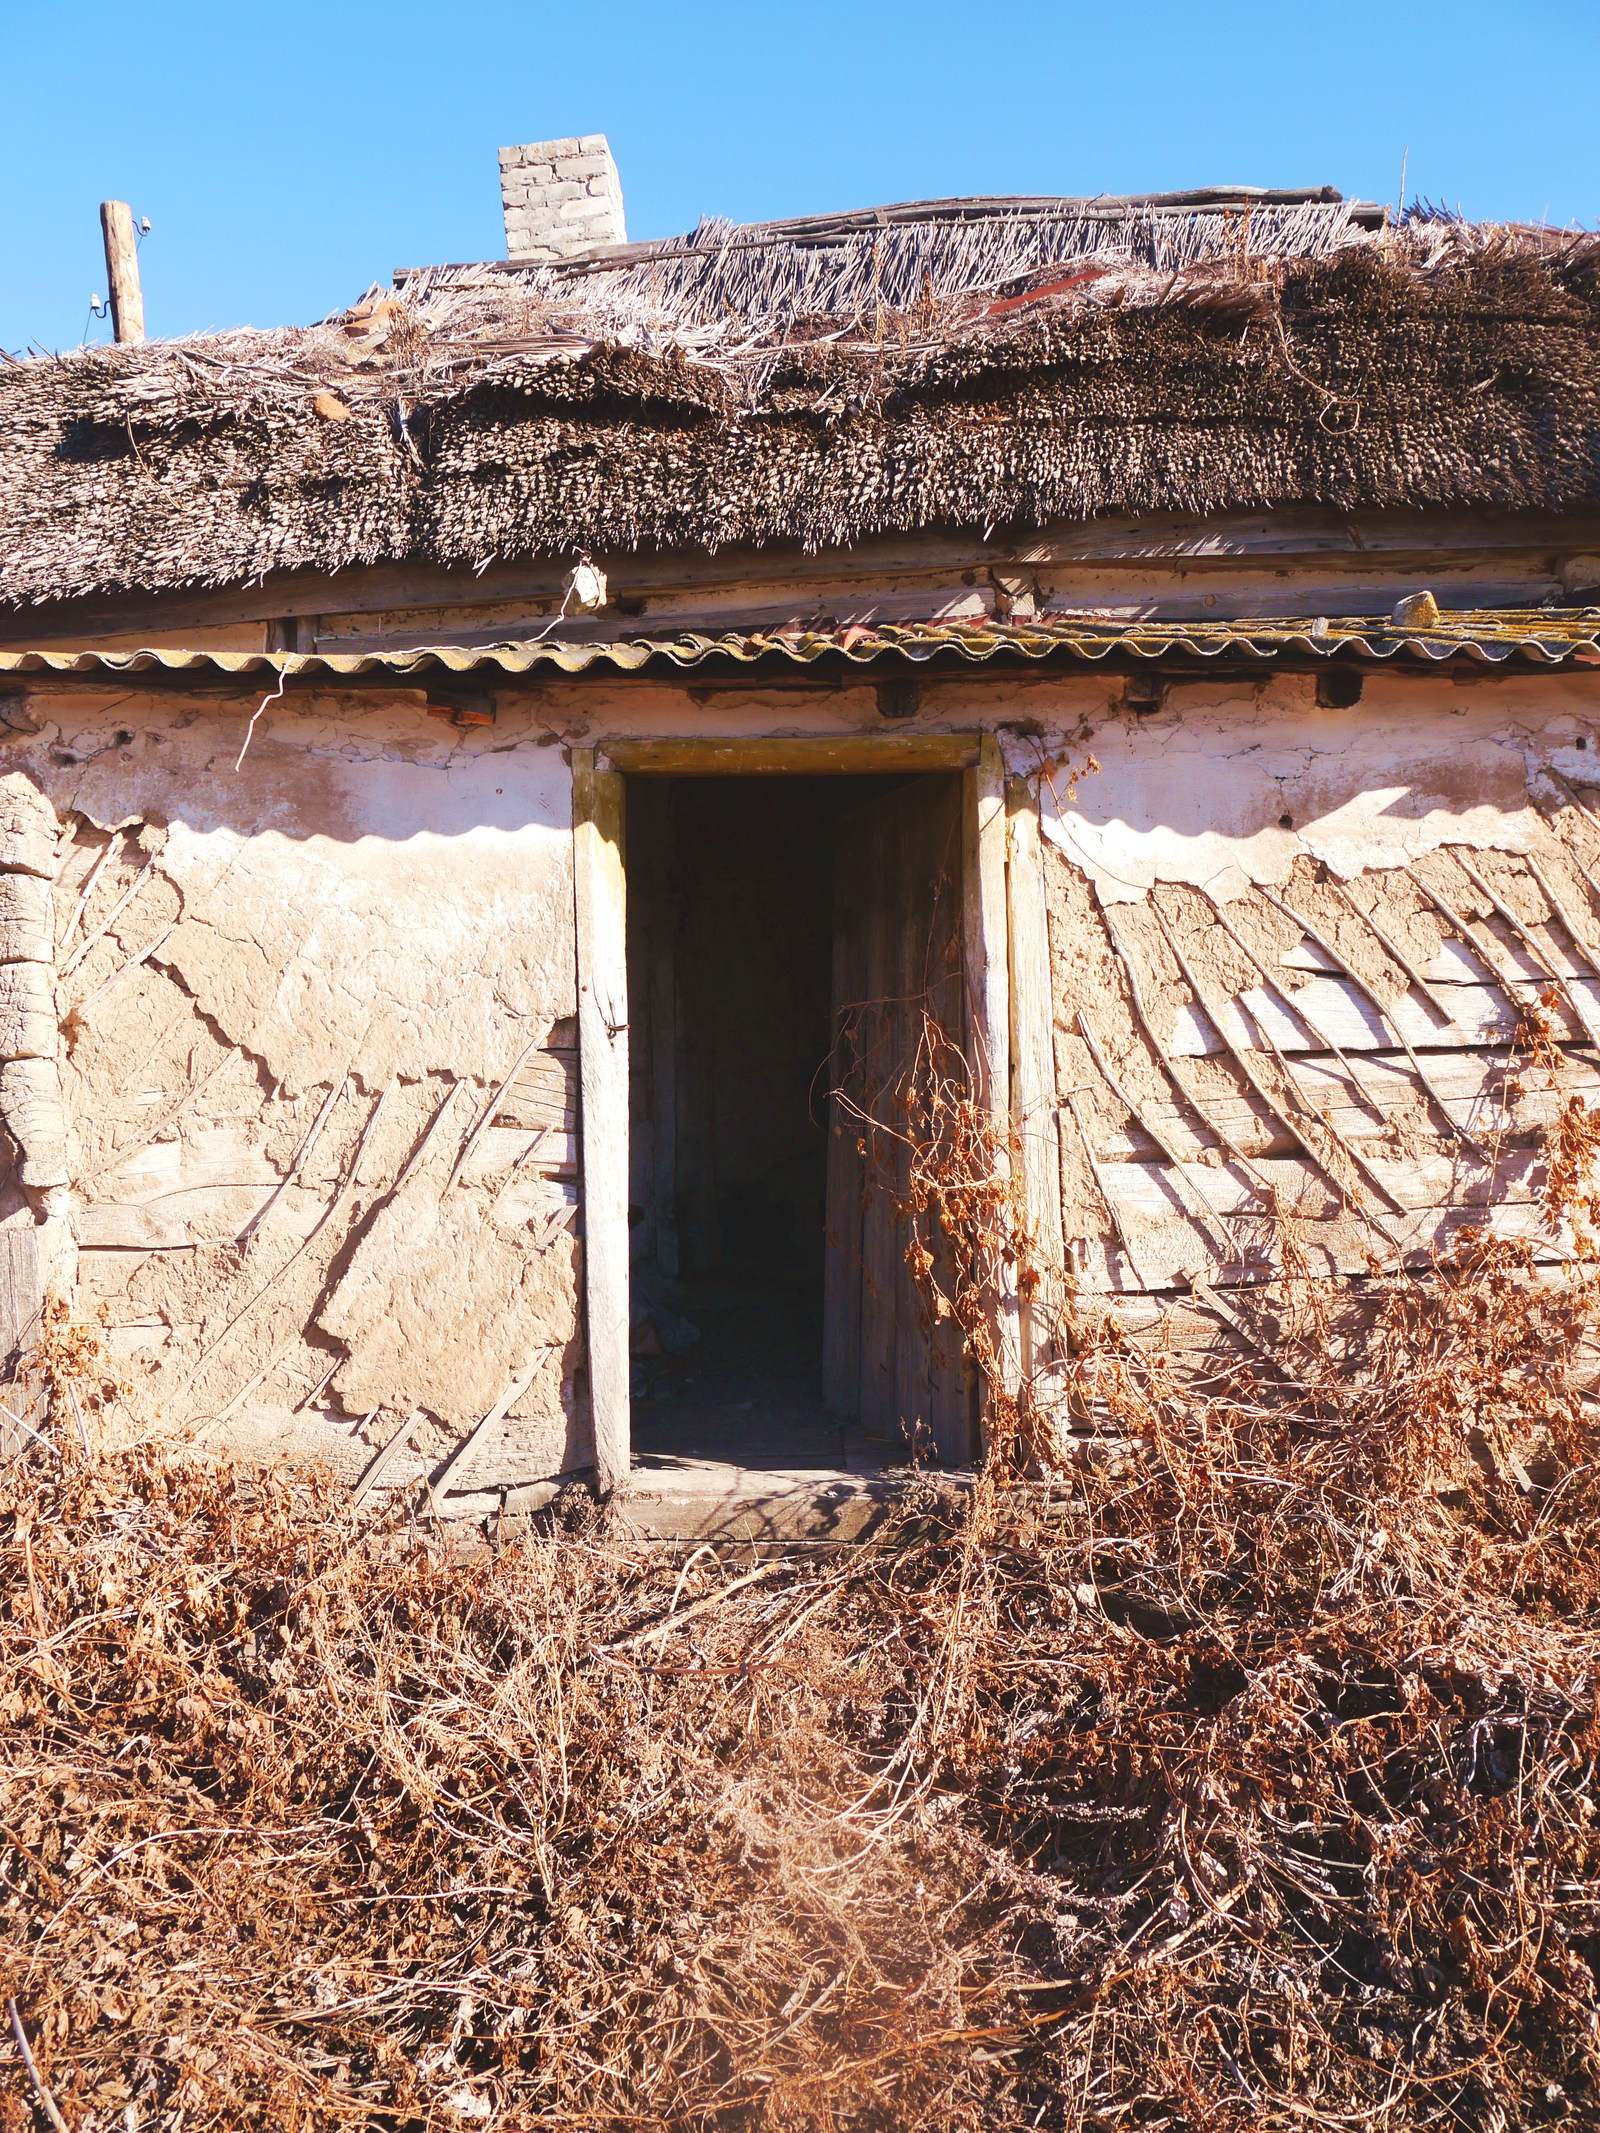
(599, 898)
(600, 903)
(1035, 1119)
(986, 930)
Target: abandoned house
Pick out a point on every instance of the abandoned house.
(505, 788)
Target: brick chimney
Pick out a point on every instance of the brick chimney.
(560, 197)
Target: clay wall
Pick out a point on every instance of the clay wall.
(315, 1012)
(1296, 956)
(315, 1162)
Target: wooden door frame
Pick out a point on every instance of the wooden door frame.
(600, 905)
(1035, 1115)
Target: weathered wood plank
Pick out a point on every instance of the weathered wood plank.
(938, 974)
(1311, 539)
(984, 924)
(1033, 1068)
(1311, 533)
(1331, 1011)
(873, 1020)
(21, 1292)
(195, 1215)
(543, 1092)
(898, 957)
(910, 926)
(600, 901)
(842, 1265)
(1468, 1085)
(665, 1040)
(546, 1151)
(1171, 1252)
(1149, 1190)
(986, 929)
(746, 612)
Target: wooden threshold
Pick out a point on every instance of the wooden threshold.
(829, 755)
(702, 1500)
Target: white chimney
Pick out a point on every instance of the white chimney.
(560, 198)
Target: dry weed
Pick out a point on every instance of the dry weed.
(1237, 1775)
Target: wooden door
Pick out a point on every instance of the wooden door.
(888, 1360)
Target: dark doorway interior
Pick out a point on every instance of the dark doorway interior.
(739, 895)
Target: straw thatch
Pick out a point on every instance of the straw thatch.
(752, 387)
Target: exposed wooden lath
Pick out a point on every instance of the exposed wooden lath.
(1362, 1068)
(726, 289)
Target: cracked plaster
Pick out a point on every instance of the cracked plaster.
(370, 898)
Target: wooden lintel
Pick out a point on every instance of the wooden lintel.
(832, 755)
(1307, 537)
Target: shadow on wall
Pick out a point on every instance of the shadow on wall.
(1226, 785)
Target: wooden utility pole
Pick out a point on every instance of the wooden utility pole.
(122, 270)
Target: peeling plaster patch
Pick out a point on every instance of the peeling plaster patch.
(386, 912)
(1201, 797)
(375, 957)
(336, 767)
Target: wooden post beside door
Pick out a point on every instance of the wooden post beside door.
(599, 896)
(986, 931)
(1033, 1067)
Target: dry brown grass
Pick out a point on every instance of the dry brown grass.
(1240, 1776)
(1250, 1786)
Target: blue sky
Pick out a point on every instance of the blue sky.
(287, 155)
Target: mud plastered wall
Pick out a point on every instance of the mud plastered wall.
(1290, 952)
(316, 1063)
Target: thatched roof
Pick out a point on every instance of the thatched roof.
(1013, 368)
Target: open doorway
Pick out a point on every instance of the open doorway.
(785, 935)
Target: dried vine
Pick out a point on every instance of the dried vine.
(1236, 1772)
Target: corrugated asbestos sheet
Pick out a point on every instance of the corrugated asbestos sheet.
(1540, 637)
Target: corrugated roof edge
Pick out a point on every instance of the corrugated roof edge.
(1543, 637)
